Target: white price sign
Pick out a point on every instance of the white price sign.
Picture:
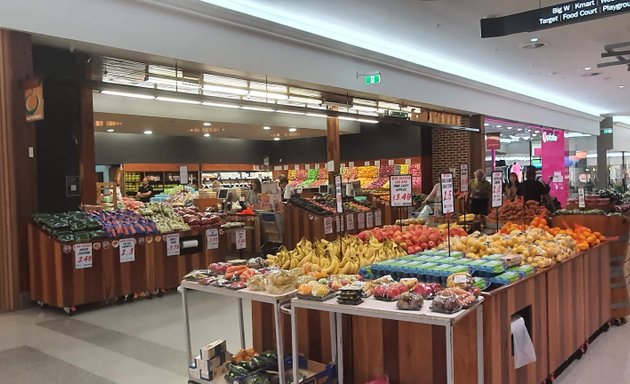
(408, 161)
(369, 220)
(350, 222)
(366, 163)
(400, 194)
(378, 219)
(581, 199)
(448, 200)
(172, 244)
(308, 166)
(183, 174)
(212, 237)
(338, 224)
(351, 164)
(82, 256)
(241, 238)
(390, 162)
(497, 189)
(360, 220)
(463, 177)
(338, 197)
(328, 226)
(127, 250)
(377, 163)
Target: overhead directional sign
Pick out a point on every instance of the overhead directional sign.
(553, 16)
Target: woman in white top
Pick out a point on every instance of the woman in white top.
(436, 197)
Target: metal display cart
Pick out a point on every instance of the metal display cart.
(263, 297)
(387, 310)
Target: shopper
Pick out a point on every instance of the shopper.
(436, 197)
(511, 188)
(282, 184)
(254, 192)
(479, 192)
(145, 191)
(532, 189)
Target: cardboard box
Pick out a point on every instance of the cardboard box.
(194, 373)
(214, 374)
(210, 351)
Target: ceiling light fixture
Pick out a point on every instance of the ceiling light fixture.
(292, 129)
(259, 109)
(622, 86)
(587, 68)
(348, 118)
(268, 95)
(534, 40)
(368, 121)
(276, 139)
(128, 94)
(499, 126)
(316, 115)
(206, 135)
(220, 105)
(148, 132)
(207, 124)
(486, 124)
(110, 130)
(509, 127)
(536, 131)
(266, 128)
(177, 100)
(291, 112)
(228, 90)
(519, 129)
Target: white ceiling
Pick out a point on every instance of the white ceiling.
(445, 35)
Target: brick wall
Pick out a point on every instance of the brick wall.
(450, 149)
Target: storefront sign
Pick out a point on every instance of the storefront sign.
(350, 222)
(549, 137)
(127, 250)
(448, 199)
(34, 102)
(552, 16)
(172, 244)
(493, 141)
(463, 177)
(241, 238)
(378, 220)
(360, 220)
(369, 220)
(212, 237)
(82, 256)
(328, 227)
(400, 194)
(581, 201)
(497, 189)
(338, 196)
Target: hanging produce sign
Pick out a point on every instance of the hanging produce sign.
(400, 194)
(338, 196)
(446, 185)
(82, 256)
(172, 244)
(552, 16)
(212, 237)
(127, 250)
(497, 189)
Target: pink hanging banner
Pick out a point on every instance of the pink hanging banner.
(552, 154)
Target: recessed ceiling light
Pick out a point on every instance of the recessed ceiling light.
(276, 139)
(148, 132)
(128, 94)
(622, 86)
(499, 126)
(206, 135)
(534, 134)
(509, 127)
(587, 68)
(536, 131)
(220, 105)
(266, 127)
(534, 40)
(292, 129)
(206, 124)
(519, 129)
(110, 130)
(486, 124)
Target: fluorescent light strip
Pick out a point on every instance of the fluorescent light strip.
(229, 90)
(259, 109)
(368, 121)
(348, 118)
(176, 100)
(305, 100)
(291, 112)
(220, 105)
(128, 94)
(316, 115)
(268, 95)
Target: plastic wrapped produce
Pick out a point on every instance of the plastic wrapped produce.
(446, 302)
(410, 301)
(461, 280)
(427, 290)
(257, 283)
(280, 281)
(389, 292)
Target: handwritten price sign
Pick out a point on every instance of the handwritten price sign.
(212, 235)
(172, 244)
(350, 222)
(448, 200)
(463, 174)
(400, 191)
(581, 200)
(369, 219)
(378, 218)
(82, 256)
(127, 250)
(361, 220)
(241, 238)
(497, 189)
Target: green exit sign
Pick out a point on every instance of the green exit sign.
(606, 131)
(372, 79)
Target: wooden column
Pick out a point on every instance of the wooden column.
(333, 147)
(477, 143)
(18, 183)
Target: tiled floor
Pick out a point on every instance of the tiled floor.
(143, 342)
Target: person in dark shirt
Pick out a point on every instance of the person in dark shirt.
(532, 189)
(145, 191)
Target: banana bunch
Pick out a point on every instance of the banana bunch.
(341, 256)
(466, 218)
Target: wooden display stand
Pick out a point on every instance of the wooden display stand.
(563, 306)
(617, 227)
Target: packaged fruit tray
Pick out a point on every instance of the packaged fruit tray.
(317, 298)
